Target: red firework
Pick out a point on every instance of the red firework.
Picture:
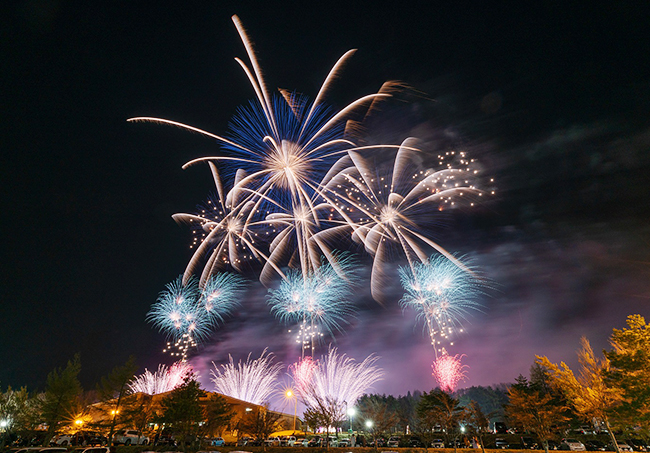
(448, 371)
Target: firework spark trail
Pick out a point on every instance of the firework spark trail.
(162, 381)
(253, 381)
(448, 371)
(338, 379)
(183, 310)
(442, 295)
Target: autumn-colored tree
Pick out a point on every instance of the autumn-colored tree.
(535, 411)
(588, 393)
(630, 370)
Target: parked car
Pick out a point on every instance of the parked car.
(301, 442)
(622, 446)
(438, 443)
(130, 437)
(501, 443)
(500, 428)
(595, 445)
(315, 441)
(287, 441)
(572, 445)
(345, 442)
(638, 445)
(528, 443)
(415, 442)
(393, 441)
(218, 442)
(272, 442)
(333, 441)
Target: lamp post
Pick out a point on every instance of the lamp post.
(290, 394)
(351, 413)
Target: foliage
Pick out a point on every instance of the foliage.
(477, 423)
(535, 410)
(182, 408)
(490, 399)
(588, 393)
(380, 415)
(218, 414)
(112, 390)
(630, 370)
(259, 423)
(18, 411)
(439, 408)
(60, 402)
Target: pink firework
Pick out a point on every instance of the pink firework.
(448, 371)
(162, 381)
(302, 372)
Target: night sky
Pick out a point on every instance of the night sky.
(552, 99)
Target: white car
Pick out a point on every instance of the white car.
(624, 447)
(572, 445)
(272, 442)
(301, 442)
(130, 437)
(438, 443)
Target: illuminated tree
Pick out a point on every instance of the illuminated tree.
(60, 401)
(17, 413)
(588, 393)
(379, 418)
(113, 389)
(630, 370)
(535, 411)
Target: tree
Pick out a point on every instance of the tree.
(477, 422)
(588, 394)
(218, 414)
(113, 389)
(17, 413)
(630, 370)
(182, 408)
(379, 417)
(440, 408)
(259, 423)
(535, 411)
(60, 401)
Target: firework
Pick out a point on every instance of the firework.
(252, 381)
(442, 295)
(338, 379)
(187, 314)
(389, 211)
(162, 381)
(448, 371)
(302, 372)
(318, 301)
(283, 146)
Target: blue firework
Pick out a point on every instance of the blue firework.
(185, 311)
(442, 294)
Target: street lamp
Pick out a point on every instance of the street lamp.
(351, 413)
(289, 394)
(369, 424)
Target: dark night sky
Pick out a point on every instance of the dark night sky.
(552, 98)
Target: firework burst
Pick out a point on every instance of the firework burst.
(318, 301)
(337, 379)
(187, 314)
(253, 381)
(448, 371)
(162, 381)
(442, 295)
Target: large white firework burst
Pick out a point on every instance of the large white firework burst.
(253, 381)
(162, 381)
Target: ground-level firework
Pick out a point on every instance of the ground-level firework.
(253, 381)
(162, 381)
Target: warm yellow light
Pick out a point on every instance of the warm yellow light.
(289, 393)
(79, 422)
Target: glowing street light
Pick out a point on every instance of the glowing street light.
(369, 424)
(351, 413)
(289, 394)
